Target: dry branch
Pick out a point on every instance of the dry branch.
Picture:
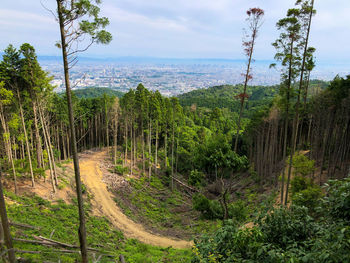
(24, 225)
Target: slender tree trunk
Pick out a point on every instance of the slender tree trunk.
(156, 154)
(126, 143)
(37, 136)
(48, 152)
(143, 147)
(26, 139)
(172, 157)
(5, 224)
(131, 149)
(82, 230)
(115, 140)
(296, 119)
(244, 92)
(165, 149)
(50, 148)
(150, 150)
(8, 147)
(287, 120)
(135, 147)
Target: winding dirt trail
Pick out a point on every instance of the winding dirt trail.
(92, 177)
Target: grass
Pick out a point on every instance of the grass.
(63, 219)
(153, 203)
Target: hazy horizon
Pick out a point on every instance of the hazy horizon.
(188, 30)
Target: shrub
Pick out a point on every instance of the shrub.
(238, 211)
(210, 209)
(287, 234)
(287, 226)
(300, 183)
(120, 169)
(337, 202)
(308, 197)
(196, 178)
(303, 165)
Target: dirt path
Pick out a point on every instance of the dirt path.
(92, 177)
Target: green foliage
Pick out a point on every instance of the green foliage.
(225, 97)
(337, 202)
(308, 197)
(305, 192)
(300, 183)
(239, 211)
(155, 205)
(120, 169)
(217, 157)
(210, 209)
(303, 165)
(196, 178)
(287, 234)
(96, 92)
(63, 218)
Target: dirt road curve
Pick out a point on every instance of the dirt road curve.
(92, 177)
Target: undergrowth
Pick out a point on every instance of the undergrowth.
(153, 203)
(60, 220)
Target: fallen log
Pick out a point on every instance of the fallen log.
(23, 225)
(48, 241)
(185, 185)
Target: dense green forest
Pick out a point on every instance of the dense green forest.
(226, 96)
(226, 174)
(94, 92)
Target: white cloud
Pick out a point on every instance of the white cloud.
(179, 28)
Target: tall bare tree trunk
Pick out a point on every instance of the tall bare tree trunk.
(37, 136)
(150, 150)
(126, 143)
(172, 157)
(5, 224)
(48, 152)
(296, 118)
(156, 154)
(26, 139)
(115, 140)
(82, 230)
(8, 147)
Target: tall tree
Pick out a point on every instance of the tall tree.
(254, 20)
(305, 18)
(6, 98)
(77, 21)
(13, 79)
(288, 53)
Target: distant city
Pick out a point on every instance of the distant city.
(171, 76)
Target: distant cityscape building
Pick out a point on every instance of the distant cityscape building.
(169, 79)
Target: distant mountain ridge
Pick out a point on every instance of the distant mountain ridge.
(225, 96)
(95, 92)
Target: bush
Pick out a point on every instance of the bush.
(210, 209)
(337, 203)
(238, 211)
(120, 169)
(196, 178)
(287, 234)
(300, 183)
(308, 197)
(287, 226)
(303, 165)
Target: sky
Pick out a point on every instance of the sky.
(179, 28)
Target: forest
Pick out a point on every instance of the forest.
(225, 174)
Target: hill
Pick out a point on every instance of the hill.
(94, 92)
(224, 96)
